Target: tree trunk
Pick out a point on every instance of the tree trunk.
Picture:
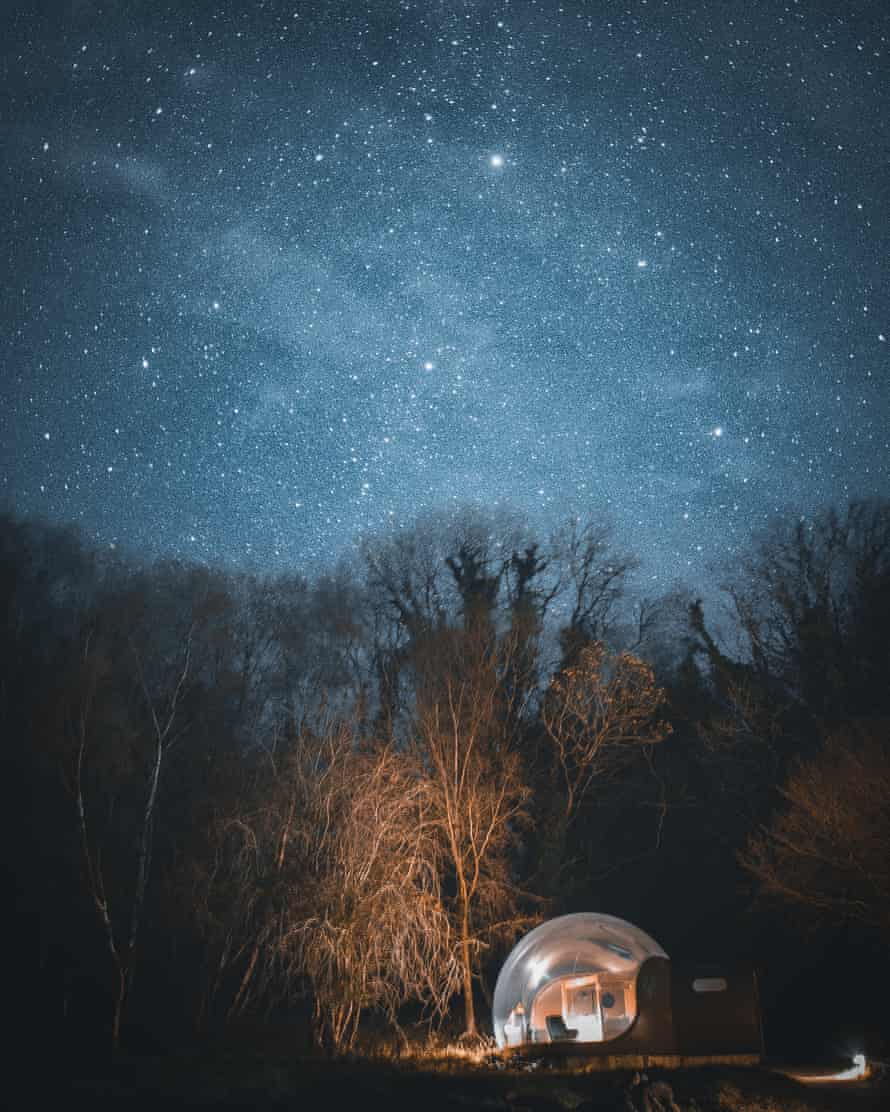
(245, 982)
(118, 1012)
(469, 1009)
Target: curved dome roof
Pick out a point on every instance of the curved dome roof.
(586, 942)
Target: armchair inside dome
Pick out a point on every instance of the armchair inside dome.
(573, 978)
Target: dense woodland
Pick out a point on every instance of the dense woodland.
(238, 801)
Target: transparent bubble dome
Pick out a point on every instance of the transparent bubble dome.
(571, 978)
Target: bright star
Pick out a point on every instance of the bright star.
(497, 161)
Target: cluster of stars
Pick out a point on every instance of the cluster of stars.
(280, 279)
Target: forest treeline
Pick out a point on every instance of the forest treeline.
(234, 796)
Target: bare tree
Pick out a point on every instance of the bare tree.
(742, 745)
(825, 850)
(98, 781)
(476, 785)
(813, 603)
(467, 596)
(328, 876)
(407, 575)
(239, 884)
(373, 932)
(592, 579)
(597, 712)
(428, 577)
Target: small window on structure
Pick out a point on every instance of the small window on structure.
(709, 984)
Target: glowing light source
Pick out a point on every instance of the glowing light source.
(581, 982)
(497, 161)
(857, 1072)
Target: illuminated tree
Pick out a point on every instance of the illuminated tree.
(379, 934)
(467, 596)
(475, 785)
(328, 876)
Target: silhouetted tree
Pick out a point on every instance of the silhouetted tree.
(826, 847)
(597, 712)
(128, 697)
(813, 605)
(592, 579)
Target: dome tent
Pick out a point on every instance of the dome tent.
(594, 986)
(574, 977)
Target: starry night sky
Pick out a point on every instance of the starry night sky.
(278, 274)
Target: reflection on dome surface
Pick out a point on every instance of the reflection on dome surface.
(571, 978)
